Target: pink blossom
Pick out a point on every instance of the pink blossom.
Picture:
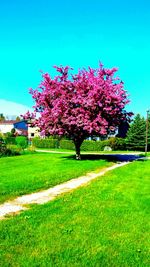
(90, 102)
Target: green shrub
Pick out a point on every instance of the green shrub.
(2, 147)
(67, 144)
(31, 149)
(22, 141)
(10, 140)
(1, 136)
(13, 150)
(10, 150)
(45, 142)
(117, 143)
(88, 145)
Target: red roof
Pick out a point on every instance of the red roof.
(7, 122)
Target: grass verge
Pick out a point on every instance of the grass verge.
(103, 224)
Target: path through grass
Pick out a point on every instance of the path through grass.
(29, 173)
(104, 224)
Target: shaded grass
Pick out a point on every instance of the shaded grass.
(91, 152)
(103, 224)
(28, 173)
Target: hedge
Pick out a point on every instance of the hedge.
(45, 142)
(94, 145)
(115, 143)
(22, 141)
(10, 140)
(67, 144)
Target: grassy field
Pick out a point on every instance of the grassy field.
(106, 223)
(29, 173)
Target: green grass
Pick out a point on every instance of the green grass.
(28, 173)
(89, 152)
(104, 224)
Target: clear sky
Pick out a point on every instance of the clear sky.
(37, 34)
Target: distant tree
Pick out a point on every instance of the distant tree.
(123, 129)
(13, 132)
(18, 118)
(148, 139)
(136, 134)
(2, 117)
(89, 103)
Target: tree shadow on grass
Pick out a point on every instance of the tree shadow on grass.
(107, 157)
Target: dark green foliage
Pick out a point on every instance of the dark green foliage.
(115, 143)
(2, 117)
(67, 144)
(148, 125)
(15, 150)
(94, 145)
(22, 141)
(2, 147)
(8, 145)
(10, 140)
(136, 134)
(45, 142)
(13, 131)
(8, 150)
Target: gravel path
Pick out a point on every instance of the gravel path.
(19, 204)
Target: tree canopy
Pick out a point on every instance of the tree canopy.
(92, 102)
(2, 117)
(136, 135)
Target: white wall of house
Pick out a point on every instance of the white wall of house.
(33, 132)
(5, 128)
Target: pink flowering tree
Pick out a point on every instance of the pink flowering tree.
(89, 103)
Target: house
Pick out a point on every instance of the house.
(22, 128)
(6, 126)
(33, 132)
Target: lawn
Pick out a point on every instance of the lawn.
(28, 173)
(106, 223)
(90, 152)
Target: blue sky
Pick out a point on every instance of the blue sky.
(35, 35)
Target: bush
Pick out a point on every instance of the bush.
(9, 140)
(10, 150)
(94, 145)
(117, 143)
(22, 141)
(67, 144)
(13, 150)
(45, 142)
(31, 149)
(2, 147)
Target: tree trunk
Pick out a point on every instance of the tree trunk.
(77, 147)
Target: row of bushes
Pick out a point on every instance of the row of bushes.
(45, 142)
(114, 143)
(10, 150)
(21, 141)
(12, 146)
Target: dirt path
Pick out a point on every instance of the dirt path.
(19, 204)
